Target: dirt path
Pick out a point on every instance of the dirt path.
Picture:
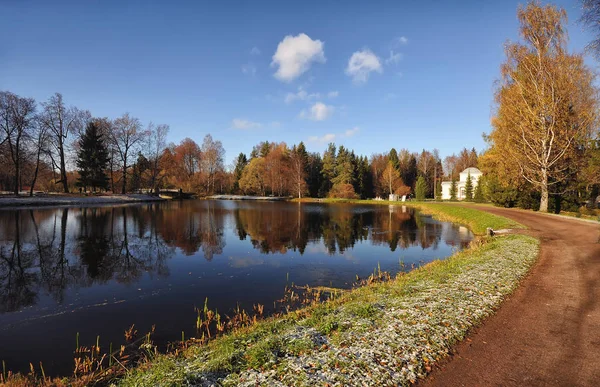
(548, 331)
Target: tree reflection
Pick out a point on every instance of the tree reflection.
(51, 250)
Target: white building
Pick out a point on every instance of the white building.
(461, 184)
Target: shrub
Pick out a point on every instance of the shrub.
(343, 191)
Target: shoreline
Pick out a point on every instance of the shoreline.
(319, 341)
(58, 200)
(356, 324)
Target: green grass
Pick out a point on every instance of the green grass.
(456, 292)
(476, 220)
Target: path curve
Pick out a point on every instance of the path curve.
(548, 331)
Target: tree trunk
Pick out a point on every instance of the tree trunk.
(35, 173)
(63, 169)
(124, 189)
(17, 159)
(544, 199)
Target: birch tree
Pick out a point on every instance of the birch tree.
(546, 101)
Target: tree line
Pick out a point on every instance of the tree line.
(54, 147)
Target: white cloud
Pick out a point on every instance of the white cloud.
(254, 51)
(351, 132)
(275, 124)
(239, 123)
(249, 69)
(394, 58)
(333, 94)
(361, 64)
(401, 40)
(318, 112)
(295, 55)
(301, 95)
(331, 137)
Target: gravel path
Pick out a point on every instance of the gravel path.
(548, 332)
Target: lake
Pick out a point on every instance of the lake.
(98, 270)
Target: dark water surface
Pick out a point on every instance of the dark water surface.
(98, 270)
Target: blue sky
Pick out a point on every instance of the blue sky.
(368, 75)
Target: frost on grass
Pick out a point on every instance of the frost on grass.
(395, 336)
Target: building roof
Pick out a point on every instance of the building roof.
(471, 170)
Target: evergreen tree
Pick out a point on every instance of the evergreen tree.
(409, 173)
(469, 188)
(344, 168)
(478, 197)
(438, 191)
(328, 170)
(393, 157)
(421, 188)
(240, 164)
(314, 177)
(92, 159)
(453, 190)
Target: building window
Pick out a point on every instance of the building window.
(463, 192)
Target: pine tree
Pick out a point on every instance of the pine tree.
(453, 189)
(469, 188)
(421, 188)
(92, 159)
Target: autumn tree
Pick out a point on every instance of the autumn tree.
(61, 121)
(252, 180)
(546, 102)
(391, 178)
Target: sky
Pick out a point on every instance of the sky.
(369, 75)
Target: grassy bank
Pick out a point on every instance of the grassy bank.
(477, 221)
(386, 333)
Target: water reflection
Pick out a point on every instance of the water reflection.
(50, 251)
(98, 270)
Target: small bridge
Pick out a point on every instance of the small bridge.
(175, 194)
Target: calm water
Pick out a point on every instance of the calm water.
(96, 271)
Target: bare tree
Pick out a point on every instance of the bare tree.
(126, 137)
(155, 145)
(40, 147)
(213, 155)
(60, 121)
(17, 117)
